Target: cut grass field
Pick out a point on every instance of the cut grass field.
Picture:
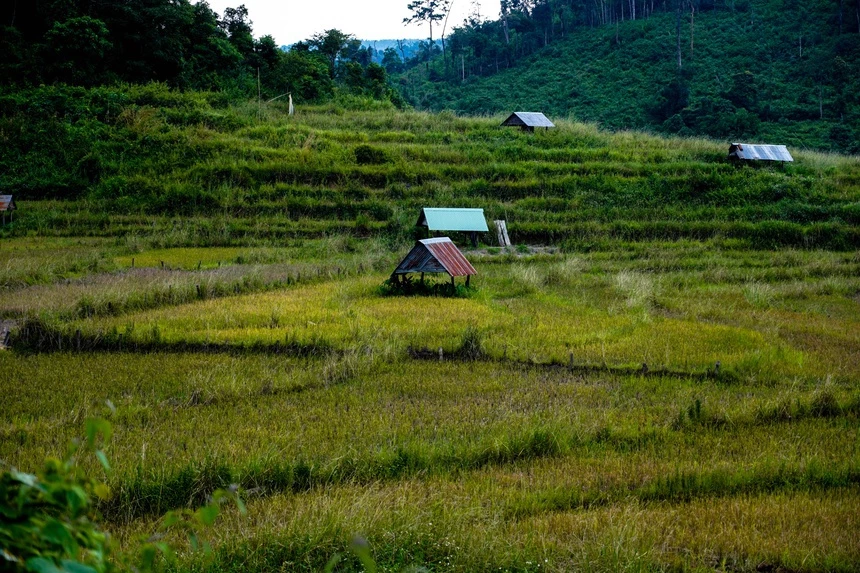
(795, 319)
(528, 444)
(676, 389)
(515, 460)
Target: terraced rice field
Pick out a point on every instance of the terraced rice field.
(663, 375)
(325, 399)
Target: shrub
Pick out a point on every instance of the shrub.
(367, 155)
(825, 405)
(48, 519)
(49, 522)
(471, 344)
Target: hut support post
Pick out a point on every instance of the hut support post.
(422, 278)
(467, 280)
(452, 282)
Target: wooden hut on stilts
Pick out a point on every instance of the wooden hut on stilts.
(438, 255)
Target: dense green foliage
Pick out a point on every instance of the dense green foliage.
(48, 521)
(756, 69)
(734, 69)
(93, 43)
(181, 44)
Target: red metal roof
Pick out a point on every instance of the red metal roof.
(438, 255)
(6, 203)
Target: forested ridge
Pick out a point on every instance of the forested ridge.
(185, 45)
(760, 69)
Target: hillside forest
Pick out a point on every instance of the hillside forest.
(767, 70)
(186, 46)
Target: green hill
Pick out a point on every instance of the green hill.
(763, 70)
(135, 159)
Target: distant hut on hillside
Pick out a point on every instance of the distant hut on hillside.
(528, 121)
(438, 255)
(756, 152)
(7, 204)
(470, 221)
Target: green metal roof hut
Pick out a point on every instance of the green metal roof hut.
(470, 221)
(528, 121)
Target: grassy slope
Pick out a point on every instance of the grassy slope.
(234, 177)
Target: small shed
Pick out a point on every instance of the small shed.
(470, 221)
(528, 120)
(7, 204)
(756, 152)
(439, 255)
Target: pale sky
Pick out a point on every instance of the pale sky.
(289, 21)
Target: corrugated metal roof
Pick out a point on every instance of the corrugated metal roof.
(6, 203)
(754, 151)
(528, 119)
(438, 255)
(452, 219)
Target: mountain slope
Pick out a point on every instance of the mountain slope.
(763, 73)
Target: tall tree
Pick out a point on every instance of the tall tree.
(430, 11)
(330, 44)
(76, 50)
(391, 61)
(211, 56)
(238, 28)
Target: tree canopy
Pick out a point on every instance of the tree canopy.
(722, 68)
(184, 45)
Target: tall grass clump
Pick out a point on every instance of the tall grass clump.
(563, 272)
(638, 288)
(526, 278)
(471, 345)
(759, 295)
